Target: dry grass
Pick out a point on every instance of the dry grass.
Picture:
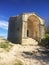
(18, 62)
(5, 44)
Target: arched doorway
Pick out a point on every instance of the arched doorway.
(33, 27)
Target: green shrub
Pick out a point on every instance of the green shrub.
(46, 36)
(45, 41)
(5, 45)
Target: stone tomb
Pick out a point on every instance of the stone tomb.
(27, 28)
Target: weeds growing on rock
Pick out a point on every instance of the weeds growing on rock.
(5, 45)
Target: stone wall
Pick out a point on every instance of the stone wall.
(33, 24)
(15, 29)
(25, 27)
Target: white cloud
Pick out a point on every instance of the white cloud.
(4, 24)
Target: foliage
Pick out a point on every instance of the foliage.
(45, 41)
(46, 36)
(5, 45)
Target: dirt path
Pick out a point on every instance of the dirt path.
(30, 55)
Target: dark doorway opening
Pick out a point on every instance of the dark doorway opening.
(27, 33)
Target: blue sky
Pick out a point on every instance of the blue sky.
(15, 7)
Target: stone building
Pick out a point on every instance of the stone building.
(24, 27)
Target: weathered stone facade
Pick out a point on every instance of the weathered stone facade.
(24, 26)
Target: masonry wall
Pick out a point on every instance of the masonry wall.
(24, 27)
(42, 31)
(15, 29)
(20, 25)
(34, 25)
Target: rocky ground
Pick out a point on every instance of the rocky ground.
(29, 55)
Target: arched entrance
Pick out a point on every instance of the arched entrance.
(33, 27)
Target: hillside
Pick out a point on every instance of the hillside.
(15, 54)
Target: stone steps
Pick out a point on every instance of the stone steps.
(29, 41)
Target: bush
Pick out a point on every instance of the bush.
(45, 41)
(46, 36)
(5, 45)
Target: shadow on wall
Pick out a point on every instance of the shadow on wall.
(15, 30)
